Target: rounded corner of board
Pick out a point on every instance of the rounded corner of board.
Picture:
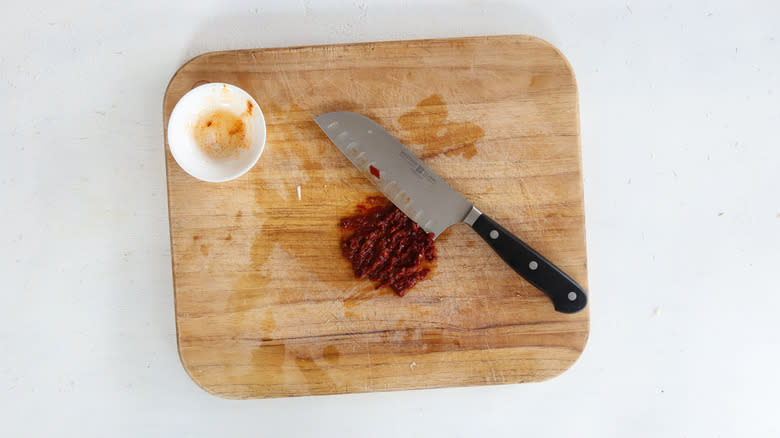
(579, 349)
(197, 381)
(544, 43)
(181, 70)
(559, 372)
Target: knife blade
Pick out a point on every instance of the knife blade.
(434, 205)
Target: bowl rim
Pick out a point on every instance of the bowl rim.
(260, 117)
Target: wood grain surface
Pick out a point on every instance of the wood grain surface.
(266, 306)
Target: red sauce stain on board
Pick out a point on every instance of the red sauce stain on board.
(386, 246)
(374, 171)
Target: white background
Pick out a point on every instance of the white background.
(681, 150)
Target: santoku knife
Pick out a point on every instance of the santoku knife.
(434, 205)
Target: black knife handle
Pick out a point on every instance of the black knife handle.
(567, 296)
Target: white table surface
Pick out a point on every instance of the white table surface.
(679, 108)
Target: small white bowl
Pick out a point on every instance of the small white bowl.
(222, 150)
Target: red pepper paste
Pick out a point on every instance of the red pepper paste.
(386, 246)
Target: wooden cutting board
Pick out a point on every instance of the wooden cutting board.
(266, 306)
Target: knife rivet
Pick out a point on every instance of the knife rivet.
(494, 234)
(572, 296)
(533, 265)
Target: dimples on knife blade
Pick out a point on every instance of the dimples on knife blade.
(404, 179)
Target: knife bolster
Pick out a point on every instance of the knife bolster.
(472, 217)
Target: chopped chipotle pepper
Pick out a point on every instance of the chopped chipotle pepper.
(386, 246)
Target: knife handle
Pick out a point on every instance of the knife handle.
(567, 296)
